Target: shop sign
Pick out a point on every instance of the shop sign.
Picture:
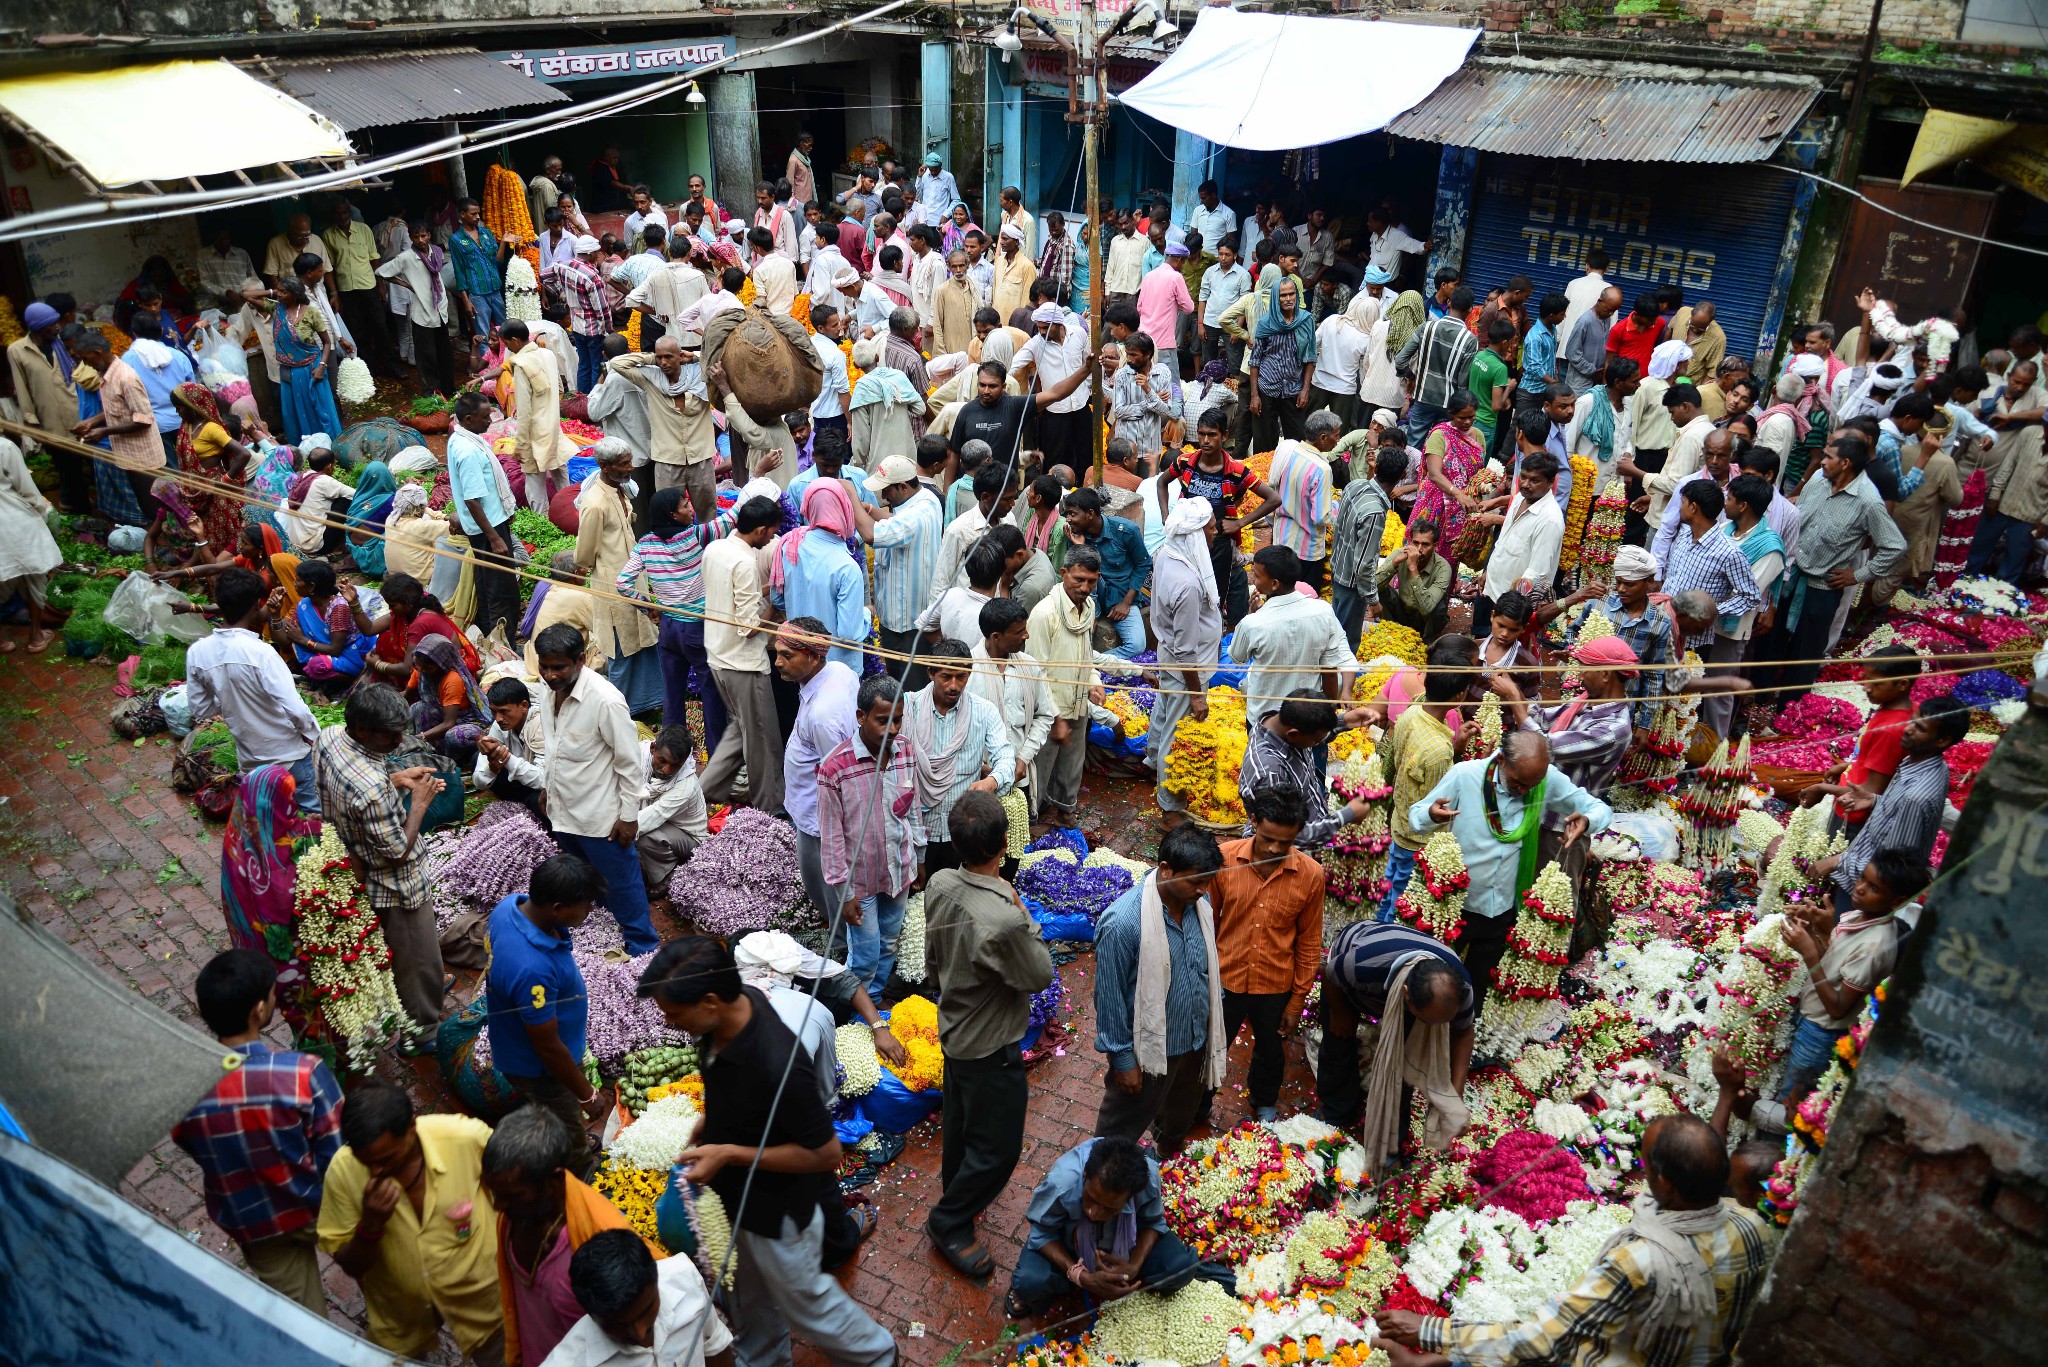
(1045, 73)
(603, 62)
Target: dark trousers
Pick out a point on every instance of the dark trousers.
(1269, 1051)
(1636, 527)
(1431, 627)
(497, 585)
(1480, 944)
(370, 321)
(900, 643)
(686, 670)
(1338, 1085)
(548, 1092)
(1170, 1265)
(1165, 1105)
(139, 481)
(842, 1235)
(2002, 545)
(982, 1138)
(1066, 439)
(434, 357)
(1806, 641)
(1312, 573)
(940, 854)
(74, 481)
(1277, 417)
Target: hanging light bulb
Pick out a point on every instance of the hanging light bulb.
(1007, 40)
(695, 96)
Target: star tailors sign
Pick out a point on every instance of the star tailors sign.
(607, 62)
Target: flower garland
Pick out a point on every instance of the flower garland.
(1809, 1132)
(1711, 803)
(1393, 534)
(634, 1191)
(1525, 979)
(1578, 510)
(1959, 530)
(914, 1022)
(1651, 767)
(1231, 1197)
(1302, 1330)
(1434, 900)
(1190, 1326)
(663, 1130)
(1203, 762)
(860, 1065)
(1603, 531)
(910, 941)
(1355, 860)
(349, 989)
(1755, 990)
(1475, 538)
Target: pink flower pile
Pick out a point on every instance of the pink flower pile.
(1816, 716)
(1530, 1174)
(1812, 756)
(1966, 759)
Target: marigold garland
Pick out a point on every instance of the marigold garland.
(914, 1022)
(505, 212)
(1203, 762)
(1585, 484)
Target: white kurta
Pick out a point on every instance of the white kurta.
(26, 546)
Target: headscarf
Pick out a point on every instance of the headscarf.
(1795, 401)
(375, 489)
(1273, 324)
(999, 346)
(1212, 373)
(1598, 425)
(1363, 312)
(1407, 313)
(1185, 543)
(167, 492)
(410, 499)
(661, 514)
(200, 400)
(441, 652)
(827, 509)
(1667, 358)
(85, 377)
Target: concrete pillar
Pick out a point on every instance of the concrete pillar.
(1452, 220)
(458, 174)
(969, 132)
(735, 138)
(1195, 159)
(936, 98)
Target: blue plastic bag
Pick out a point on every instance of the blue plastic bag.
(1231, 675)
(852, 1124)
(1101, 735)
(1063, 926)
(894, 1108)
(1062, 838)
(580, 468)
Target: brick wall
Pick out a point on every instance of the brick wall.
(1938, 20)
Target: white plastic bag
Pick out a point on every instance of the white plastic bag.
(144, 609)
(352, 381)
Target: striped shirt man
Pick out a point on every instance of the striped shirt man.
(1713, 563)
(1906, 816)
(852, 786)
(1587, 745)
(1594, 1324)
(674, 566)
(1366, 955)
(1301, 477)
(1441, 353)
(907, 559)
(357, 796)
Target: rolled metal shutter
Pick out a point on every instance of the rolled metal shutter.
(1715, 231)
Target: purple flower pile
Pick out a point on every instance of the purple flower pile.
(1987, 687)
(1073, 889)
(1047, 1005)
(497, 857)
(743, 879)
(621, 1022)
(1121, 679)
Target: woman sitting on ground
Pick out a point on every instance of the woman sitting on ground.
(451, 714)
(328, 630)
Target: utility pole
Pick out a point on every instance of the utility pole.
(1094, 95)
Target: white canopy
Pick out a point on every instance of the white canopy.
(1273, 82)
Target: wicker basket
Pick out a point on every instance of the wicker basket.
(1787, 783)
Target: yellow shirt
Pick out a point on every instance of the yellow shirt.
(354, 253)
(212, 439)
(1416, 755)
(426, 1271)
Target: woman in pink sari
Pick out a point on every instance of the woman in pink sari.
(1450, 457)
(258, 878)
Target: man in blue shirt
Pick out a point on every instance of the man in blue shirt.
(1540, 368)
(1158, 1005)
(1126, 564)
(478, 259)
(1098, 1222)
(1496, 808)
(538, 1005)
(937, 191)
(484, 517)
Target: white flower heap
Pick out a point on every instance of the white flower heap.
(663, 1130)
(1525, 980)
(858, 1060)
(1190, 1326)
(910, 941)
(348, 963)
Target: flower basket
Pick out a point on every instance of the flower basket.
(1787, 783)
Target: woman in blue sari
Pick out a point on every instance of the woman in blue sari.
(366, 513)
(302, 347)
(332, 637)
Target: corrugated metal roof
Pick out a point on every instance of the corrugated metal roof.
(1511, 108)
(405, 87)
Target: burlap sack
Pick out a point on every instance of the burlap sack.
(767, 362)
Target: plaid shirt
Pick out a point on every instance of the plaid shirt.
(357, 796)
(1716, 564)
(1361, 524)
(1906, 816)
(584, 291)
(1056, 263)
(1592, 1325)
(1442, 354)
(1651, 638)
(1586, 751)
(850, 784)
(263, 1138)
(1271, 762)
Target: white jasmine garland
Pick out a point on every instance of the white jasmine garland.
(910, 941)
(663, 1130)
(1292, 1320)
(858, 1060)
(1562, 1120)
(1189, 1327)
(352, 382)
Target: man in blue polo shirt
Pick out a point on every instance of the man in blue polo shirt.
(537, 1001)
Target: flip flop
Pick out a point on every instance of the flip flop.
(866, 1219)
(37, 647)
(961, 1256)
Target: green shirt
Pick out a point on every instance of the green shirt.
(1488, 372)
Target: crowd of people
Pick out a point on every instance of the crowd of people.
(936, 509)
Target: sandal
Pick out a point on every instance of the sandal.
(41, 642)
(866, 1219)
(969, 1259)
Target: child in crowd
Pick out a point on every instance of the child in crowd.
(673, 820)
(1888, 675)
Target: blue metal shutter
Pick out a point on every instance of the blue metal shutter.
(1715, 231)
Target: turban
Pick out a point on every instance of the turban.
(1667, 358)
(1377, 275)
(38, 316)
(1633, 562)
(1048, 312)
(1608, 652)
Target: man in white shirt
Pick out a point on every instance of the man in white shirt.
(1386, 244)
(309, 523)
(645, 211)
(1016, 216)
(736, 645)
(1688, 450)
(638, 1312)
(995, 497)
(1532, 528)
(1212, 218)
(222, 268)
(1716, 463)
(779, 222)
(1008, 678)
(1126, 266)
(774, 273)
(1293, 641)
(828, 410)
(1318, 246)
(595, 780)
(1057, 350)
(421, 272)
(235, 675)
(1585, 291)
(667, 292)
(927, 273)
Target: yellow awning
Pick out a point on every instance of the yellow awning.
(168, 121)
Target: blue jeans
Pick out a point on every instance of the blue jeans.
(1422, 417)
(1400, 868)
(306, 792)
(489, 310)
(1349, 605)
(625, 886)
(1813, 1049)
(869, 949)
(589, 361)
(2006, 539)
(1130, 633)
(1168, 1267)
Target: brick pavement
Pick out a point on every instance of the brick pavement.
(98, 847)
